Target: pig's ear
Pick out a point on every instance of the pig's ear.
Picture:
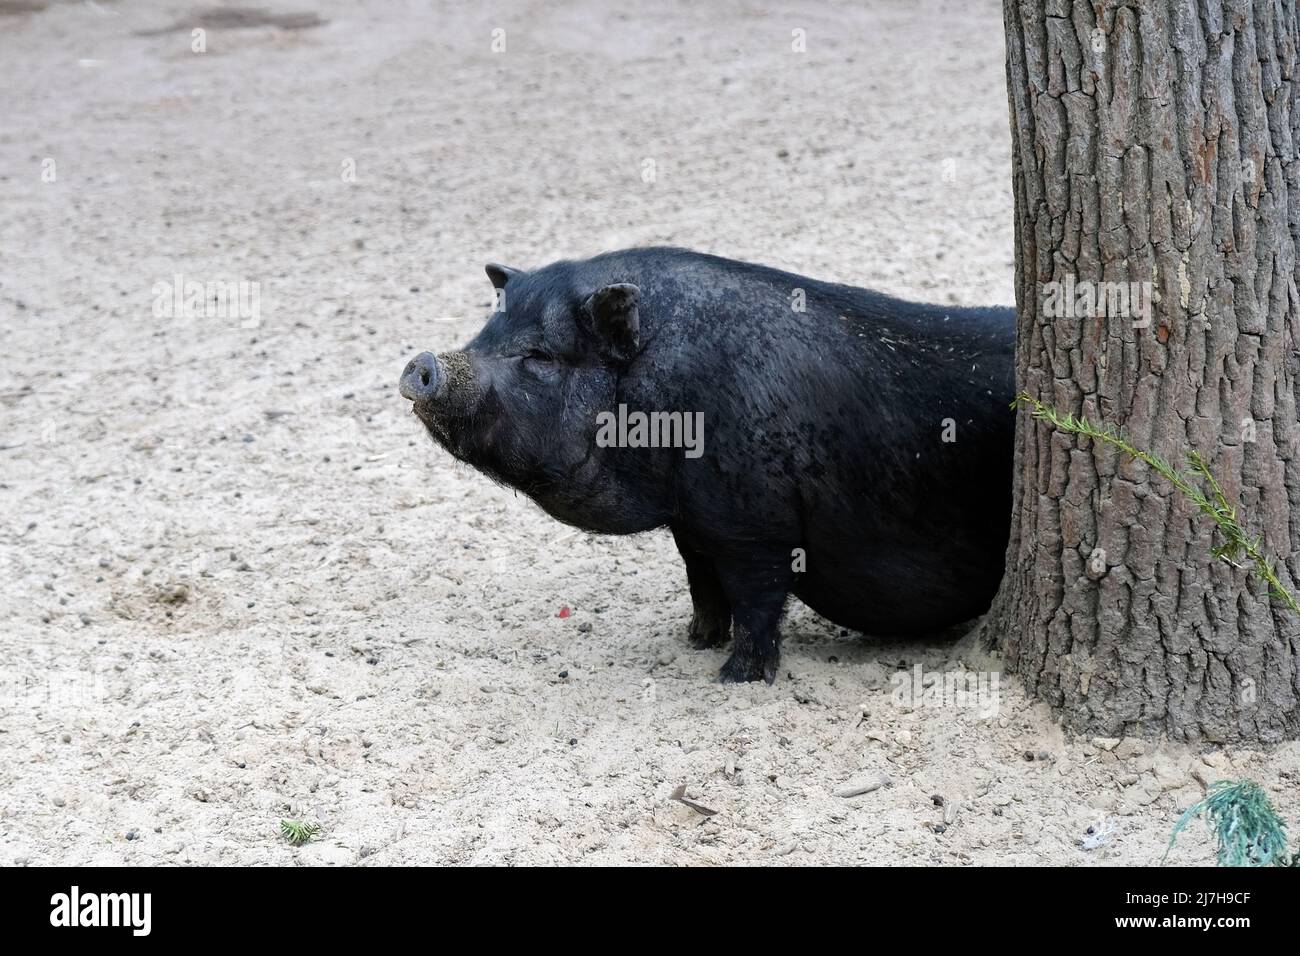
(615, 320)
(500, 274)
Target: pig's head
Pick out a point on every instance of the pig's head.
(520, 401)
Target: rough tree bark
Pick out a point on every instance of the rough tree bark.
(1156, 140)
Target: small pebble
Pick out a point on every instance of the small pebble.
(858, 787)
(67, 738)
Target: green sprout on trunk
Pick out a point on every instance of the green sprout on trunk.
(1236, 542)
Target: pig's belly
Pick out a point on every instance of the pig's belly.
(892, 592)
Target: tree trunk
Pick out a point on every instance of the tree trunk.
(1155, 141)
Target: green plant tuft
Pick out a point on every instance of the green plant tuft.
(1246, 830)
(298, 832)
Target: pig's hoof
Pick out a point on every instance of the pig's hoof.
(705, 633)
(745, 670)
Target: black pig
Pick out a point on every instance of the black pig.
(856, 449)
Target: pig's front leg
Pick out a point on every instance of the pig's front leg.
(711, 620)
(757, 589)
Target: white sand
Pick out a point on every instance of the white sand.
(215, 619)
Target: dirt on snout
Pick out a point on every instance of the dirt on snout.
(241, 585)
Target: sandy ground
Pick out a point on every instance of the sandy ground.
(239, 583)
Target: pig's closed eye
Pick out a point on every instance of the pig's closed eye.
(540, 360)
(540, 363)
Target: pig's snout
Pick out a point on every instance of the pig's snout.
(422, 379)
